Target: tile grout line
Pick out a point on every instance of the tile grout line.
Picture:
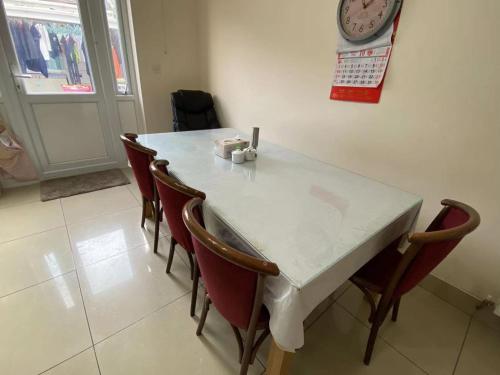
(463, 344)
(328, 308)
(38, 200)
(80, 289)
(30, 235)
(447, 302)
(82, 266)
(381, 338)
(120, 210)
(66, 360)
(120, 253)
(38, 283)
(142, 318)
(66, 224)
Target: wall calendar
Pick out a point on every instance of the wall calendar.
(367, 30)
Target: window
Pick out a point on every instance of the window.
(117, 47)
(50, 46)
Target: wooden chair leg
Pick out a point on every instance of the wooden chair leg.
(239, 340)
(173, 242)
(191, 264)
(380, 315)
(247, 352)
(395, 309)
(157, 225)
(371, 342)
(203, 317)
(369, 298)
(258, 343)
(194, 292)
(143, 219)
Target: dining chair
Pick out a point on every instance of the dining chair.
(139, 158)
(393, 274)
(234, 283)
(173, 195)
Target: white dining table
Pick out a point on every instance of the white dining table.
(319, 223)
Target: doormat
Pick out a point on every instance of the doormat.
(84, 183)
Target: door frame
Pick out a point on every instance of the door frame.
(19, 104)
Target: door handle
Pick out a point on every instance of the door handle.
(22, 75)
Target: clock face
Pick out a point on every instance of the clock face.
(364, 20)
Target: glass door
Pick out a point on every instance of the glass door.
(50, 46)
(61, 55)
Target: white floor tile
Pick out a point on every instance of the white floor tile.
(91, 205)
(481, 351)
(165, 343)
(429, 331)
(140, 315)
(82, 364)
(120, 290)
(108, 235)
(33, 259)
(335, 345)
(42, 326)
(20, 195)
(24, 220)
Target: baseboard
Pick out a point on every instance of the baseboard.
(454, 296)
(461, 300)
(10, 184)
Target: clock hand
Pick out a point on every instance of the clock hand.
(366, 5)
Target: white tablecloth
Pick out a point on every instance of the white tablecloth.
(288, 305)
(317, 222)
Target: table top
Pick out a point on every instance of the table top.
(303, 214)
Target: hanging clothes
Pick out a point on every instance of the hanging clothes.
(32, 52)
(76, 52)
(26, 40)
(45, 45)
(68, 45)
(75, 56)
(116, 64)
(55, 49)
(86, 58)
(18, 44)
(37, 62)
(54, 45)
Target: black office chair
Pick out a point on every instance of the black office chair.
(193, 110)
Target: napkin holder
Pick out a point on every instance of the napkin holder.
(224, 147)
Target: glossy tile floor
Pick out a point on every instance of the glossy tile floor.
(81, 293)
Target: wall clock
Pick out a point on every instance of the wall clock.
(361, 21)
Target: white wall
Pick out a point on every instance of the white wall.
(436, 131)
(166, 39)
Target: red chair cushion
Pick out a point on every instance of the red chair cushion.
(139, 161)
(378, 272)
(230, 287)
(172, 202)
(430, 255)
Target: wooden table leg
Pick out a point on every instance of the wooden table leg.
(278, 361)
